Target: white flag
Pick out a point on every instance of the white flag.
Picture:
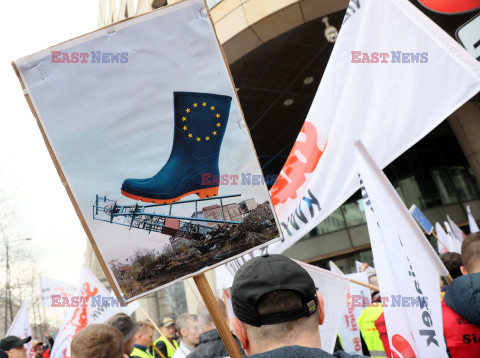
(454, 244)
(333, 288)
(388, 105)
(21, 328)
(49, 287)
(456, 231)
(451, 244)
(471, 221)
(92, 303)
(358, 298)
(408, 268)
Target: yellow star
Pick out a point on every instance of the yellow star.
(214, 133)
(217, 115)
(204, 104)
(218, 124)
(188, 110)
(184, 128)
(198, 139)
(189, 135)
(184, 119)
(207, 138)
(195, 105)
(212, 108)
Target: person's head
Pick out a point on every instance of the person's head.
(128, 327)
(14, 346)
(38, 349)
(188, 329)
(453, 262)
(144, 335)
(168, 328)
(276, 305)
(98, 340)
(471, 254)
(205, 321)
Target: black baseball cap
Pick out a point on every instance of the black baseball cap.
(124, 324)
(269, 273)
(11, 342)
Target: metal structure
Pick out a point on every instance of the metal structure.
(144, 218)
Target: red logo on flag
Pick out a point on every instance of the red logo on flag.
(302, 160)
(403, 347)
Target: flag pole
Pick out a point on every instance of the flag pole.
(217, 316)
(448, 278)
(372, 287)
(440, 241)
(156, 327)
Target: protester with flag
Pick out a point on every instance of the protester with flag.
(461, 304)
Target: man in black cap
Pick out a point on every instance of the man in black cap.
(278, 310)
(128, 327)
(13, 346)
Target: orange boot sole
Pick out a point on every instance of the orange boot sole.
(202, 194)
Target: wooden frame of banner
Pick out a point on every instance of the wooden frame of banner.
(217, 316)
(200, 280)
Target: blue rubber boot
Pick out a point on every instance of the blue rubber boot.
(200, 123)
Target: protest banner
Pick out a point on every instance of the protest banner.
(49, 287)
(92, 303)
(407, 266)
(20, 327)
(451, 244)
(358, 298)
(455, 230)
(379, 49)
(471, 221)
(152, 98)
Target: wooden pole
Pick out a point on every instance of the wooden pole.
(217, 316)
(156, 327)
(440, 241)
(372, 287)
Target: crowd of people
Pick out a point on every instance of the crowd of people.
(277, 313)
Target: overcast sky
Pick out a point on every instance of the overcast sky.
(42, 208)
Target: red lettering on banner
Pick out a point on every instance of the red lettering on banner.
(302, 160)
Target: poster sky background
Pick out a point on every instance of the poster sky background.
(97, 124)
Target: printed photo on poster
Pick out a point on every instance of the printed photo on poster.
(146, 127)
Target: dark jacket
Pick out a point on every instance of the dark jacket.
(301, 352)
(463, 297)
(211, 346)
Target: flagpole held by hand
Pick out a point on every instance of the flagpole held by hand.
(156, 327)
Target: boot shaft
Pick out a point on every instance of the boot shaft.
(200, 122)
